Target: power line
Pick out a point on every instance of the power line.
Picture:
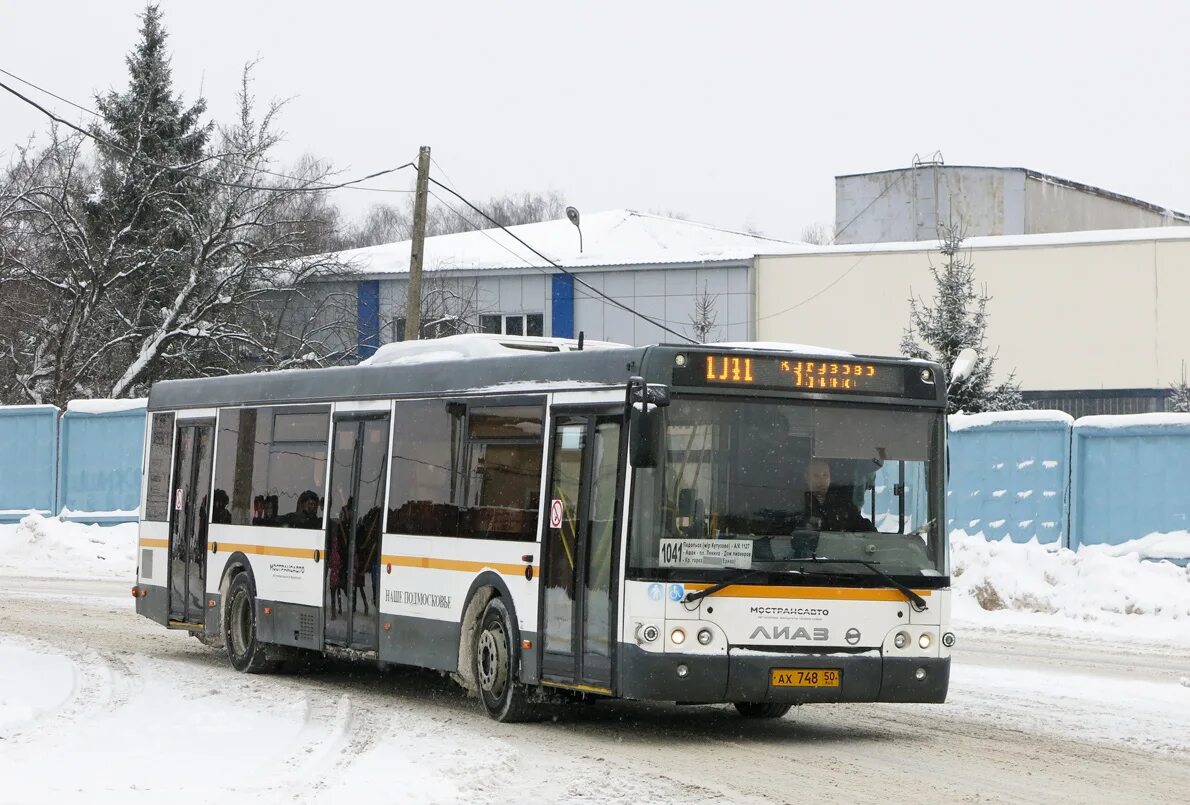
(851, 268)
(183, 170)
(558, 266)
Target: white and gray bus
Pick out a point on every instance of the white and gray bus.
(749, 523)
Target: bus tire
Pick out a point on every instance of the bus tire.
(496, 661)
(247, 654)
(762, 709)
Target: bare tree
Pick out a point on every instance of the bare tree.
(449, 306)
(704, 315)
(103, 311)
(818, 234)
(390, 223)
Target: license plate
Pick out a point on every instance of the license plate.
(806, 677)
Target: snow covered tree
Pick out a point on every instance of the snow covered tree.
(704, 315)
(956, 319)
(169, 258)
(1179, 394)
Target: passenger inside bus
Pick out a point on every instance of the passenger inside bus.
(306, 515)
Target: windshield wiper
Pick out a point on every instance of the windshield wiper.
(916, 600)
(698, 595)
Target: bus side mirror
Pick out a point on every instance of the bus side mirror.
(963, 365)
(646, 422)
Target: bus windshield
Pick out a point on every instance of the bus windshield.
(759, 484)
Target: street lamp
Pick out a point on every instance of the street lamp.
(572, 214)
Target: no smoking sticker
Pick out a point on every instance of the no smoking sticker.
(556, 513)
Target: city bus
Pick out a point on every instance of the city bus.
(755, 524)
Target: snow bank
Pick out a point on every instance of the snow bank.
(1088, 586)
(1165, 545)
(49, 546)
(1114, 421)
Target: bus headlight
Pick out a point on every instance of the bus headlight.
(704, 636)
(901, 640)
(924, 640)
(948, 639)
(678, 637)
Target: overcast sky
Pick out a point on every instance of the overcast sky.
(734, 113)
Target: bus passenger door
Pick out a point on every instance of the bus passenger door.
(188, 520)
(580, 557)
(355, 504)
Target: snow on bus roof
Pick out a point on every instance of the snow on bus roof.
(474, 345)
(780, 346)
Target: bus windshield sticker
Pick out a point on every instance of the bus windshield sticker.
(706, 553)
(556, 513)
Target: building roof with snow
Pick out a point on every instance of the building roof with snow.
(612, 238)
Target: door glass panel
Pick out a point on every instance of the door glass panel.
(340, 508)
(561, 551)
(180, 516)
(198, 522)
(601, 538)
(366, 549)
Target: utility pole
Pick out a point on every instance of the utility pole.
(413, 291)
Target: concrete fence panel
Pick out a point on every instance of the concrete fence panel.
(1009, 475)
(28, 465)
(99, 460)
(1131, 476)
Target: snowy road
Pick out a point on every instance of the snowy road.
(99, 705)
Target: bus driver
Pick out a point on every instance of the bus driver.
(831, 509)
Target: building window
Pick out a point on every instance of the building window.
(513, 324)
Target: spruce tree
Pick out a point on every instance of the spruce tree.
(957, 319)
(1179, 394)
(151, 148)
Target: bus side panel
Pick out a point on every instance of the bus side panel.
(152, 579)
(287, 576)
(424, 592)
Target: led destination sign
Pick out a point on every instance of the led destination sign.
(827, 375)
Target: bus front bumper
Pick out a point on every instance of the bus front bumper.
(748, 677)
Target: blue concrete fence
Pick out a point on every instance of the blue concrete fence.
(84, 464)
(1098, 480)
(1009, 475)
(1022, 475)
(29, 463)
(1133, 477)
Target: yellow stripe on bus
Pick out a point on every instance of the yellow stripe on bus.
(154, 543)
(455, 564)
(835, 593)
(266, 550)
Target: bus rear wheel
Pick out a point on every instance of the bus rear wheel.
(247, 654)
(762, 709)
(503, 698)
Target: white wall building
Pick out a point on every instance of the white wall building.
(655, 265)
(1091, 322)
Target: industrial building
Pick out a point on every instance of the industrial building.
(910, 204)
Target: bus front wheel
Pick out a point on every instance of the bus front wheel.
(762, 709)
(504, 699)
(247, 654)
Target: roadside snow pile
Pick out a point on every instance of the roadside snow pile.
(1088, 584)
(48, 546)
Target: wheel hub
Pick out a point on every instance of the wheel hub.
(493, 661)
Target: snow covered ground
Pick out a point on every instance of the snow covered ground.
(1076, 681)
